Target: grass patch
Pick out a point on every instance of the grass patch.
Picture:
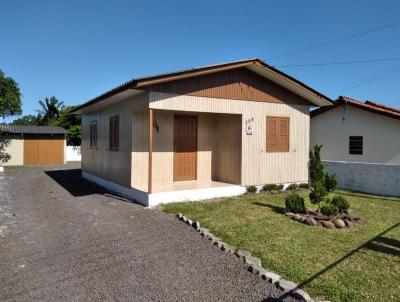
(359, 264)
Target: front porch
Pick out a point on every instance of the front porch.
(174, 159)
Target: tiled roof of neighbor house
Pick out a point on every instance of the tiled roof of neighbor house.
(368, 105)
(21, 129)
(144, 81)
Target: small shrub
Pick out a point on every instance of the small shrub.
(330, 182)
(293, 187)
(329, 209)
(341, 203)
(295, 203)
(272, 187)
(304, 186)
(251, 189)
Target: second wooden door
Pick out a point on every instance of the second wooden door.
(185, 147)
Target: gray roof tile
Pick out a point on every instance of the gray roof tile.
(21, 129)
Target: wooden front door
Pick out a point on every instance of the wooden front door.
(185, 147)
(43, 151)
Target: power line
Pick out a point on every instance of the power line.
(382, 76)
(338, 39)
(338, 63)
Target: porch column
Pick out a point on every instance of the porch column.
(150, 168)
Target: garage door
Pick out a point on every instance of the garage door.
(43, 150)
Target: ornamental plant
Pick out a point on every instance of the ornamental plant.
(317, 177)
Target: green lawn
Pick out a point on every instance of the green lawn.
(359, 264)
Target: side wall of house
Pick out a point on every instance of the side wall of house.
(15, 149)
(381, 135)
(257, 166)
(101, 161)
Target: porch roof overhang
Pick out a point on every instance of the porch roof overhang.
(136, 86)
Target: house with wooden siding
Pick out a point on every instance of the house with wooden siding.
(201, 133)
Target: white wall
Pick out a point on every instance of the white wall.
(379, 179)
(381, 135)
(15, 149)
(73, 153)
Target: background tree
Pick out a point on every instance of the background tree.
(10, 97)
(28, 120)
(50, 111)
(10, 105)
(317, 176)
(72, 123)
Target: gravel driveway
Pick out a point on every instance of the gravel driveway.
(64, 239)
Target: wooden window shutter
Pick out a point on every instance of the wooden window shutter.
(277, 134)
(272, 130)
(283, 134)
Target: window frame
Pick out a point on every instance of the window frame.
(113, 133)
(277, 148)
(93, 135)
(356, 150)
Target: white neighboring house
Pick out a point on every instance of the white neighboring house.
(361, 144)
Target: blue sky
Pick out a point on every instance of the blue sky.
(75, 50)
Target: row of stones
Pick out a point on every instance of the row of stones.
(255, 267)
(329, 224)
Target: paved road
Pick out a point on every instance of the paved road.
(63, 239)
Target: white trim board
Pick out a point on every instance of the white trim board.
(154, 199)
(130, 193)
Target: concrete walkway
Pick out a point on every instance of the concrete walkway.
(63, 239)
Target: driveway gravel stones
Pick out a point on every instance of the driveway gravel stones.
(72, 241)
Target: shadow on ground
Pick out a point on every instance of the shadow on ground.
(73, 182)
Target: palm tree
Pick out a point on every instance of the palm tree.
(50, 110)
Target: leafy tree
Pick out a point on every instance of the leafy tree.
(27, 120)
(50, 110)
(10, 97)
(317, 176)
(10, 105)
(72, 123)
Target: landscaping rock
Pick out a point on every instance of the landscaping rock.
(227, 248)
(339, 223)
(302, 295)
(289, 214)
(271, 277)
(218, 243)
(189, 222)
(286, 286)
(252, 260)
(179, 216)
(258, 270)
(242, 254)
(348, 223)
(310, 221)
(353, 217)
(297, 217)
(327, 224)
(196, 225)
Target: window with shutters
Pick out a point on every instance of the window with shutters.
(93, 134)
(114, 133)
(356, 145)
(277, 134)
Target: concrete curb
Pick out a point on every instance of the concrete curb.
(255, 267)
